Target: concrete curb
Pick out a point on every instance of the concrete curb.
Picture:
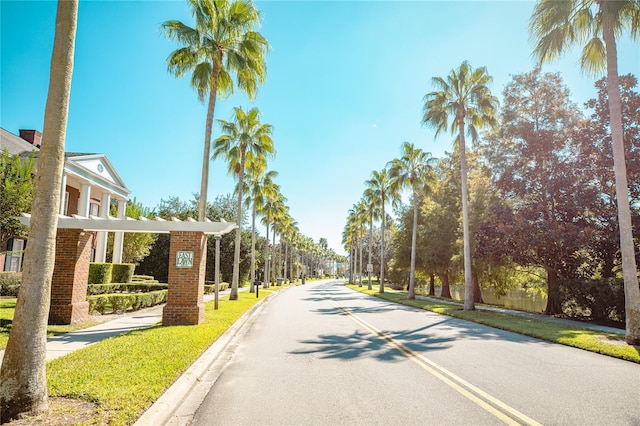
(178, 404)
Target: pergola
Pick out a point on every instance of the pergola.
(187, 263)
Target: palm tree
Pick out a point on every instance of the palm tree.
(243, 138)
(222, 43)
(379, 191)
(259, 182)
(23, 372)
(465, 97)
(414, 169)
(271, 205)
(555, 26)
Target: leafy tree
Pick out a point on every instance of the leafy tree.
(414, 169)
(136, 245)
(243, 138)
(465, 98)
(595, 158)
(542, 216)
(222, 44)
(17, 184)
(23, 374)
(595, 24)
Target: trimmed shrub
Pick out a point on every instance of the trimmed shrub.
(122, 272)
(119, 302)
(143, 287)
(211, 288)
(10, 283)
(93, 289)
(100, 273)
(135, 278)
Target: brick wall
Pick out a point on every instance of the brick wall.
(70, 277)
(185, 305)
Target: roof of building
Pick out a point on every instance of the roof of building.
(14, 144)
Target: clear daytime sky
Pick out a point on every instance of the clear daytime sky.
(345, 88)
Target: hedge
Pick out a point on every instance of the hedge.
(120, 302)
(211, 288)
(139, 287)
(100, 273)
(122, 272)
(10, 283)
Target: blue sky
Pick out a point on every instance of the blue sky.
(344, 89)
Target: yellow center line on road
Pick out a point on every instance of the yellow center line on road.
(465, 388)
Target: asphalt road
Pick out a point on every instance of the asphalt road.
(323, 354)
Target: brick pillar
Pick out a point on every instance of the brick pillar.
(185, 305)
(70, 277)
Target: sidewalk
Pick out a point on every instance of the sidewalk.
(63, 344)
(539, 317)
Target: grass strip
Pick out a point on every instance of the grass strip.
(7, 310)
(611, 344)
(124, 375)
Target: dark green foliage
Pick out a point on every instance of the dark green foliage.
(122, 272)
(17, 184)
(137, 287)
(596, 300)
(100, 273)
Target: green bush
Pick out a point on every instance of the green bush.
(211, 288)
(119, 302)
(596, 300)
(100, 273)
(10, 283)
(143, 287)
(122, 272)
(93, 289)
(135, 278)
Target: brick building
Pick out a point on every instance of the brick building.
(90, 184)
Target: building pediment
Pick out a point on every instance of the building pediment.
(95, 168)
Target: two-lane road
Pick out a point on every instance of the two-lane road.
(323, 354)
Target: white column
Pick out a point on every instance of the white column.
(118, 237)
(84, 201)
(101, 244)
(63, 190)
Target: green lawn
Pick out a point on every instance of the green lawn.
(7, 308)
(124, 375)
(611, 344)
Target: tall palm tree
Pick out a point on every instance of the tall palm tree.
(465, 98)
(270, 207)
(259, 182)
(595, 24)
(23, 372)
(243, 138)
(379, 191)
(222, 44)
(415, 170)
(370, 204)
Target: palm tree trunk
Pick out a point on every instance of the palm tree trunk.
(414, 236)
(370, 241)
(236, 252)
(469, 304)
(266, 257)
(253, 247)
(382, 252)
(23, 372)
(629, 268)
(206, 156)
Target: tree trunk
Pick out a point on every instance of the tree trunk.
(233, 295)
(23, 375)
(554, 305)
(206, 155)
(253, 247)
(382, 252)
(370, 241)
(446, 290)
(266, 257)
(432, 285)
(414, 236)
(629, 268)
(468, 281)
(476, 289)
